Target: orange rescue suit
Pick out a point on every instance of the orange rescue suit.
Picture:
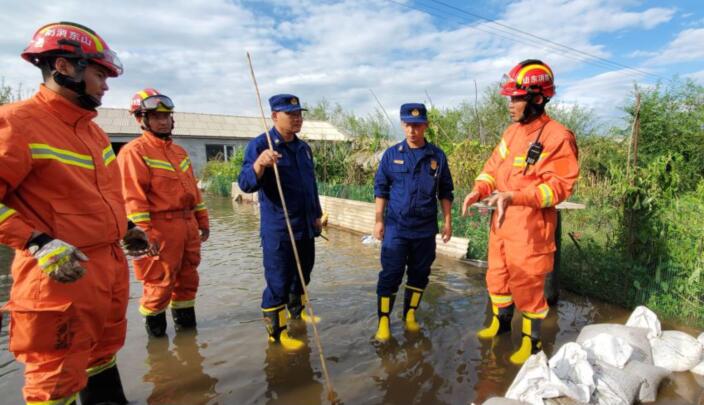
(58, 175)
(521, 250)
(162, 197)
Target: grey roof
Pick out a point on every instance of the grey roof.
(116, 121)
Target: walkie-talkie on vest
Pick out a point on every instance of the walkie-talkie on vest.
(534, 151)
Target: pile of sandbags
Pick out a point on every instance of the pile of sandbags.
(608, 364)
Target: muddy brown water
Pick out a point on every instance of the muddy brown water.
(228, 359)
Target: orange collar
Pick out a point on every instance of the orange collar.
(536, 124)
(62, 107)
(155, 140)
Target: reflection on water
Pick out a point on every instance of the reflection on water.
(290, 376)
(177, 372)
(409, 378)
(229, 361)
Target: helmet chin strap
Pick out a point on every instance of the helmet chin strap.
(77, 85)
(160, 135)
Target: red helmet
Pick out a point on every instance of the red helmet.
(150, 100)
(529, 77)
(71, 40)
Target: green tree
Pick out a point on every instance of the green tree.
(672, 121)
(8, 94)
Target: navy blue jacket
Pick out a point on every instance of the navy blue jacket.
(412, 191)
(297, 181)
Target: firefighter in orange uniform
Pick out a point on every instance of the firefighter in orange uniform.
(161, 196)
(61, 209)
(533, 168)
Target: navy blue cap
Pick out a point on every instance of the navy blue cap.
(414, 113)
(286, 103)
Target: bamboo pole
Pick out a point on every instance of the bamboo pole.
(332, 396)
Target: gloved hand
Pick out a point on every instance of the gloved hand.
(136, 243)
(61, 261)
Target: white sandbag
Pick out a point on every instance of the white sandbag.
(608, 349)
(650, 375)
(642, 317)
(676, 351)
(571, 366)
(564, 401)
(637, 338)
(535, 381)
(502, 401)
(614, 386)
(699, 368)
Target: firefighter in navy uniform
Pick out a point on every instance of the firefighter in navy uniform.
(283, 296)
(412, 176)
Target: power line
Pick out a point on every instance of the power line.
(509, 33)
(567, 47)
(496, 32)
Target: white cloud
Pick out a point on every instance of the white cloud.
(605, 93)
(697, 76)
(195, 50)
(687, 46)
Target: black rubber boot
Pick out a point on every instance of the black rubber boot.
(155, 324)
(294, 306)
(275, 323)
(384, 305)
(104, 388)
(500, 322)
(184, 318)
(530, 340)
(411, 301)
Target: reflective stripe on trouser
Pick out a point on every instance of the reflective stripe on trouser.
(69, 400)
(60, 330)
(400, 255)
(172, 277)
(280, 269)
(517, 271)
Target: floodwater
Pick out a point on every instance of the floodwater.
(228, 359)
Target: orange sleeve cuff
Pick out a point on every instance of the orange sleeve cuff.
(483, 189)
(524, 197)
(202, 218)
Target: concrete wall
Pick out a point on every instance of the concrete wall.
(194, 146)
(358, 217)
(196, 149)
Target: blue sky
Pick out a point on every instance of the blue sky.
(338, 50)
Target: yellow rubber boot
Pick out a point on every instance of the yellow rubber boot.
(289, 343)
(530, 341)
(304, 315)
(411, 301)
(383, 331)
(275, 322)
(296, 307)
(500, 322)
(384, 306)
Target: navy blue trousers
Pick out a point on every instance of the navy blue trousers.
(280, 269)
(401, 255)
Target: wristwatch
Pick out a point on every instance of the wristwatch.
(38, 242)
